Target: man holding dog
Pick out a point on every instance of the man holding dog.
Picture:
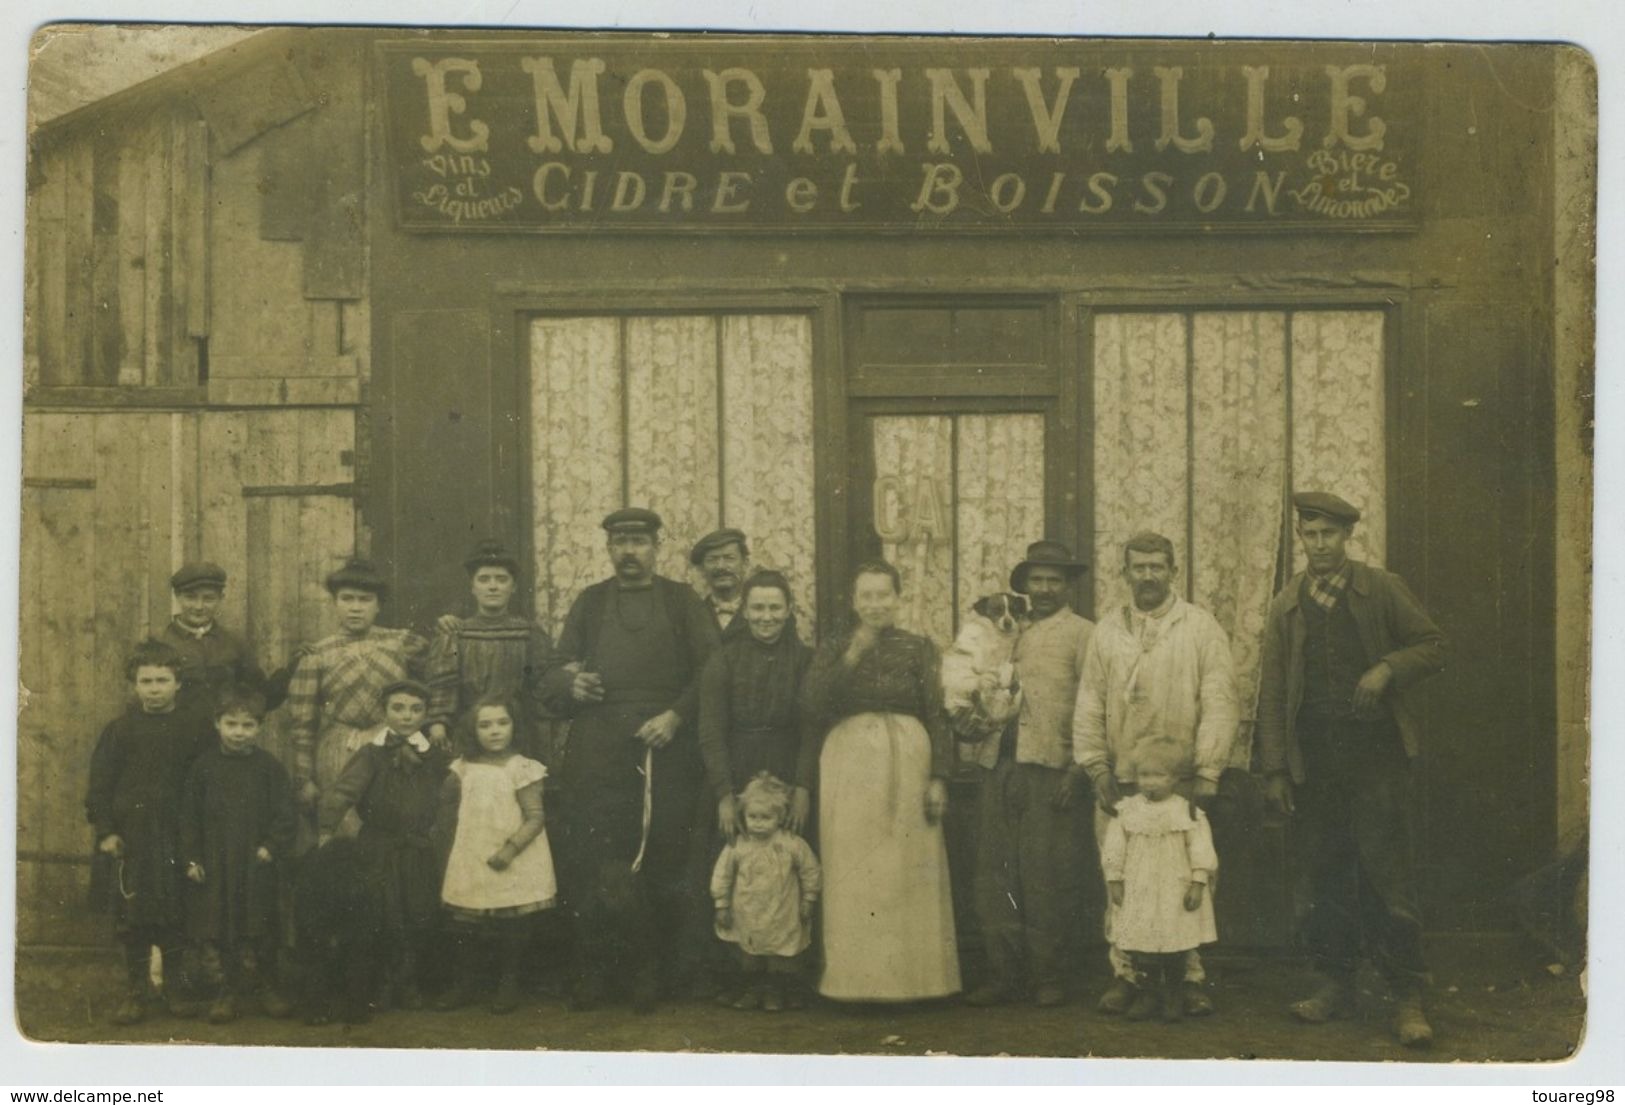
(1157, 667)
(1028, 875)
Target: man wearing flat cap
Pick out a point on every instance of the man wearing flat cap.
(627, 671)
(723, 557)
(1029, 870)
(212, 656)
(1338, 724)
(494, 651)
(1158, 667)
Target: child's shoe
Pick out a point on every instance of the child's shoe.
(133, 1008)
(1410, 1023)
(223, 1010)
(506, 999)
(749, 998)
(1332, 1000)
(1196, 1001)
(773, 997)
(1117, 999)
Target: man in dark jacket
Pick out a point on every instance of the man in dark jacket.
(724, 558)
(627, 671)
(1338, 725)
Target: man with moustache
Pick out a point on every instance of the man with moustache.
(1028, 874)
(724, 558)
(1338, 727)
(627, 671)
(1157, 667)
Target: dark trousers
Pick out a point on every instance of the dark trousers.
(243, 968)
(1354, 809)
(626, 920)
(1029, 872)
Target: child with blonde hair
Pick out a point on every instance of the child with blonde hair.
(1159, 864)
(765, 885)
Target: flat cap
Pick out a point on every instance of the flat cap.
(404, 686)
(491, 554)
(359, 575)
(197, 573)
(716, 540)
(633, 519)
(1323, 504)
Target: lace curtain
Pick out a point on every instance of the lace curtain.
(705, 419)
(1194, 439)
(983, 475)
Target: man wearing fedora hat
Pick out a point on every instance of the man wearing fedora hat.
(723, 557)
(1158, 667)
(1338, 725)
(1029, 870)
(627, 672)
(494, 651)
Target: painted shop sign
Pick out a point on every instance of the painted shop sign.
(591, 134)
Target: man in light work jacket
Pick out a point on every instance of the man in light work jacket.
(1344, 648)
(1156, 667)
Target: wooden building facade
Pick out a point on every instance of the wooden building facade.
(368, 290)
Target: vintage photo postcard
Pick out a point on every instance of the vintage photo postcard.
(806, 544)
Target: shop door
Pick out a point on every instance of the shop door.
(961, 446)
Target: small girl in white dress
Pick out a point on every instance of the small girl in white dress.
(500, 871)
(1159, 863)
(765, 885)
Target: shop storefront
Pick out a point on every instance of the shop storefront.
(931, 299)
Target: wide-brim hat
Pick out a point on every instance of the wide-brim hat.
(633, 519)
(1046, 554)
(360, 575)
(716, 539)
(491, 554)
(1323, 504)
(197, 573)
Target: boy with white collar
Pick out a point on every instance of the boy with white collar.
(393, 783)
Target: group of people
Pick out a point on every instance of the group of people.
(709, 747)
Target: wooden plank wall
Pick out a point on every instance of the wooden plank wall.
(113, 502)
(118, 226)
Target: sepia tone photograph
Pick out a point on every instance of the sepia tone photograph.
(806, 544)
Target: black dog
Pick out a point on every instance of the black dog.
(339, 917)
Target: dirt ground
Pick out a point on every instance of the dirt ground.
(1491, 1002)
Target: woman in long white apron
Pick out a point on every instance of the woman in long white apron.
(874, 696)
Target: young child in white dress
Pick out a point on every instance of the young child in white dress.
(1159, 863)
(765, 885)
(500, 871)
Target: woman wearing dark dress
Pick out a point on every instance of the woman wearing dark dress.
(750, 721)
(874, 697)
(750, 710)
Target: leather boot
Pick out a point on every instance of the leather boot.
(1332, 1000)
(1411, 1025)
